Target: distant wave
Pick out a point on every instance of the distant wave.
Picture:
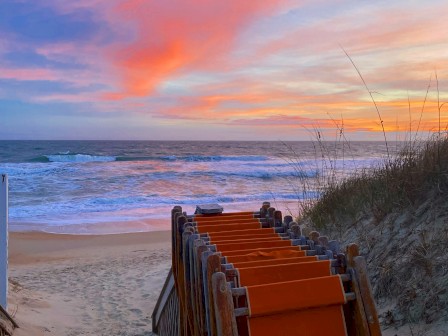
(256, 174)
(74, 158)
(266, 175)
(134, 158)
(194, 158)
(40, 159)
(225, 158)
(67, 157)
(139, 201)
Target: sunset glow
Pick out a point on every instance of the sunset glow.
(220, 70)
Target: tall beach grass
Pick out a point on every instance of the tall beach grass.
(397, 211)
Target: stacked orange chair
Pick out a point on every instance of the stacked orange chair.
(253, 273)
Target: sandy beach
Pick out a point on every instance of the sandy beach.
(86, 284)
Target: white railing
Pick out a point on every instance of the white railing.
(4, 241)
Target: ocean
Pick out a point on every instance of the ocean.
(75, 186)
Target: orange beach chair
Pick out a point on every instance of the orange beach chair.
(251, 273)
(311, 307)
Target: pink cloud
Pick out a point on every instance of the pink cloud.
(27, 74)
(68, 6)
(364, 30)
(66, 98)
(284, 121)
(171, 37)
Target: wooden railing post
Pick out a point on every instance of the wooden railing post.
(223, 306)
(4, 241)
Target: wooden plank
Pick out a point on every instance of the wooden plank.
(175, 212)
(295, 230)
(200, 293)
(181, 220)
(278, 218)
(213, 266)
(288, 219)
(270, 217)
(358, 324)
(264, 209)
(323, 240)
(189, 282)
(194, 242)
(194, 302)
(342, 263)
(188, 313)
(204, 270)
(223, 306)
(352, 252)
(7, 324)
(179, 275)
(360, 267)
(180, 282)
(314, 236)
(359, 320)
(178, 221)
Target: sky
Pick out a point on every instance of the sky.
(222, 70)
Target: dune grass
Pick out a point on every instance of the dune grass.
(396, 211)
(400, 182)
(417, 166)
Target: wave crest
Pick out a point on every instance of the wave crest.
(79, 158)
(195, 158)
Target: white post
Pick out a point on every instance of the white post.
(4, 241)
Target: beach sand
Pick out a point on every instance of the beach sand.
(86, 284)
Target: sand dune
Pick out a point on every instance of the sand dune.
(86, 285)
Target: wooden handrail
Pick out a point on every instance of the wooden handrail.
(163, 301)
(7, 324)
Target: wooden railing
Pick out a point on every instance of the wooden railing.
(7, 324)
(165, 318)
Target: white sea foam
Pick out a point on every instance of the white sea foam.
(119, 181)
(79, 158)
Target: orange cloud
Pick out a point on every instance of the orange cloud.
(169, 37)
(282, 110)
